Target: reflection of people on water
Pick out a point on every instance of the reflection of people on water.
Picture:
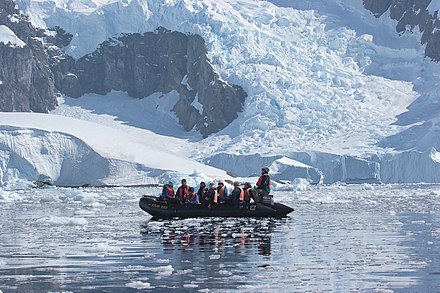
(218, 235)
(265, 246)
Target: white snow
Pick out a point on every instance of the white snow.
(323, 77)
(8, 37)
(72, 151)
(433, 7)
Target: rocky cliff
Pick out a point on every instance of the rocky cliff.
(139, 64)
(27, 82)
(410, 14)
(160, 61)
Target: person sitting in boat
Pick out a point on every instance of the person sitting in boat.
(263, 183)
(193, 197)
(182, 191)
(223, 195)
(212, 194)
(248, 193)
(202, 193)
(237, 195)
(167, 191)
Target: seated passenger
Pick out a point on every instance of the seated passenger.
(212, 194)
(182, 191)
(193, 198)
(202, 193)
(167, 191)
(248, 193)
(223, 195)
(237, 195)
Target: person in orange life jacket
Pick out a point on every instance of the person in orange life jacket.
(202, 193)
(212, 194)
(193, 197)
(248, 192)
(263, 183)
(182, 191)
(223, 195)
(237, 195)
(167, 191)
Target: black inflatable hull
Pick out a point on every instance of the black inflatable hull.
(164, 210)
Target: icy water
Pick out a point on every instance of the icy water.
(339, 239)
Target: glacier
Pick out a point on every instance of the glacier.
(335, 95)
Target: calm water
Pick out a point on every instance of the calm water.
(339, 239)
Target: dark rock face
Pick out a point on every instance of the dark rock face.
(27, 82)
(139, 64)
(160, 61)
(409, 14)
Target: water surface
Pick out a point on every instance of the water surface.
(339, 239)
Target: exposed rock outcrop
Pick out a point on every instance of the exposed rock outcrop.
(409, 14)
(160, 61)
(139, 64)
(27, 83)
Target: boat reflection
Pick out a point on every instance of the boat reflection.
(220, 235)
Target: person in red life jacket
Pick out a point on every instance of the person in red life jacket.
(263, 183)
(223, 195)
(237, 195)
(248, 192)
(193, 197)
(212, 194)
(182, 191)
(167, 191)
(202, 193)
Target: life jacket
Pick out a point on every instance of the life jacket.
(183, 192)
(221, 192)
(170, 192)
(264, 182)
(213, 195)
(241, 196)
(247, 194)
(193, 197)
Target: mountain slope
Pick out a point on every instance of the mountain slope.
(306, 82)
(322, 75)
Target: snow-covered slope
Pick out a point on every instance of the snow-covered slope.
(68, 151)
(321, 75)
(304, 75)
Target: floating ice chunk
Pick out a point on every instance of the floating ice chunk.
(45, 198)
(288, 169)
(148, 255)
(60, 221)
(191, 285)
(162, 270)
(300, 184)
(86, 197)
(139, 285)
(6, 196)
(214, 256)
(103, 247)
